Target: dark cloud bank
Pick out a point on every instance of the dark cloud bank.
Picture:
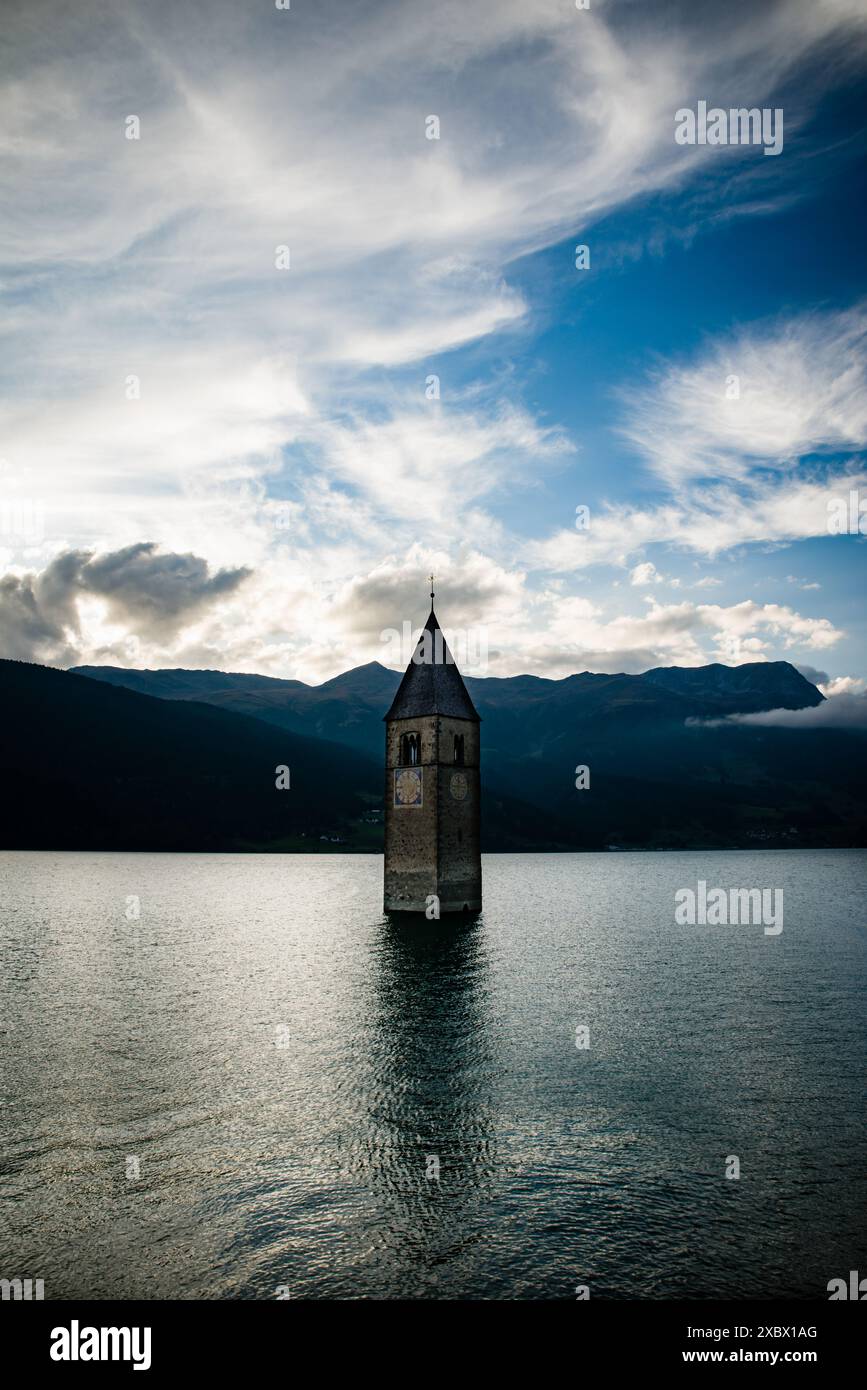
(155, 592)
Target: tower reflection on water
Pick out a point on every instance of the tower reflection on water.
(426, 1083)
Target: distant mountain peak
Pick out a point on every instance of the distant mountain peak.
(753, 686)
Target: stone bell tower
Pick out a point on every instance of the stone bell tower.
(432, 785)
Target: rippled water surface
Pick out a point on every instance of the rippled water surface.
(282, 1066)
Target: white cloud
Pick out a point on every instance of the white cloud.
(842, 685)
(645, 573)
(738, 625)
(429, 463)
(843, 712)
(801, 388)
(707, 522)
(732, 467)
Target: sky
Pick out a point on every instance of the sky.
(293, 316)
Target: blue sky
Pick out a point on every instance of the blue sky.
(276, 485)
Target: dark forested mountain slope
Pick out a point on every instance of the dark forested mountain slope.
(89, 761)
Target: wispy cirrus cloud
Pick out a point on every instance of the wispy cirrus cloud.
(719, 518)
(156, 257)
(763, 399)
(758, 466)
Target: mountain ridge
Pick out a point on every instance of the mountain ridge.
(90, 763)
(658, 776)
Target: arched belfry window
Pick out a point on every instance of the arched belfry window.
(410, 750)
(459, 749)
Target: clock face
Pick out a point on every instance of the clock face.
(459, 786)
(407, 786)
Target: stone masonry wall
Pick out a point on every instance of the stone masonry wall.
(434, 848)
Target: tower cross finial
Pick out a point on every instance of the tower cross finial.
(431, 578)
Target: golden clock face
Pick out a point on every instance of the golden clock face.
(407, 786)
(459, 786)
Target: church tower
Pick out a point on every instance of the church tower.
(432, 785)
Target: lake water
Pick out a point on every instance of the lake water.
(248, 1087)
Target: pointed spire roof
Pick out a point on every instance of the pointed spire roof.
(432, 683)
